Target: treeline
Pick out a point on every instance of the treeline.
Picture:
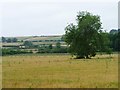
(111, 41)
(46, 48)
(41, 49)
(14, 51)
(114, 40)
(9, 40)
(50, 49)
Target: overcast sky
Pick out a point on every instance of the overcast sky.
(50, 18)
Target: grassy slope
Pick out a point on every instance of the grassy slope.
(59, 71)
(30, 38)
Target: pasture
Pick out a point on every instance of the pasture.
(59, 71)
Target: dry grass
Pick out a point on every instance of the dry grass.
(59, 71)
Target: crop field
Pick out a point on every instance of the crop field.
(59, 71)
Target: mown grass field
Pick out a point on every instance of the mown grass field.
(59, 71)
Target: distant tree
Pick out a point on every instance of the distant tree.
(14, 40)
(28, 44)
(83, 38)
(9, 40)
(50, 46)
(109, 51)
(115, 41)
(58, 45)
(113, 31)
(21, 40)
(3, 39)
(104, 42)
(44, 49)
(62, 38)
(0, 51)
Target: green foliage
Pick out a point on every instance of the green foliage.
(50, 46)
(28, 44)
(115, 41)
(3, 39)
(9, 40)
(83, 38)
(13, 52)
(0, 51)
(109, 51)
(58, 45)
(59, 50)
(14, 40)
(49, 49)
(44, 49)
(104, 42)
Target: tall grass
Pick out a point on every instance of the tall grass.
(59, 71)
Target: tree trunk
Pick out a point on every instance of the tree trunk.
(87, 57)
(80, 57)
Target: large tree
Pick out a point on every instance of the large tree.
(84, 38)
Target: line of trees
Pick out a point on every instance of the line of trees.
(46, 48)
(115, 40)
(43, 49)
(50, 49)
(13, 52)
(9, 40)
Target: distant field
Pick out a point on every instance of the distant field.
(44, 38)
(59, 71)
(36, 40)
(35, 43)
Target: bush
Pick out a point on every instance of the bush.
(43, 50)
(28, 44)
(59, 50)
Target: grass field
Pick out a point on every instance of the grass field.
(59, 71)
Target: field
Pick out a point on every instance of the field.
(36, 40)
(59, 71)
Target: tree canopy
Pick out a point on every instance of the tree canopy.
(84, 38)
(28, 44)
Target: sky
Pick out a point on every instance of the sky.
(50, 17)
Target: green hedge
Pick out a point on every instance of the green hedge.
(53, 50)
(13, 52)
